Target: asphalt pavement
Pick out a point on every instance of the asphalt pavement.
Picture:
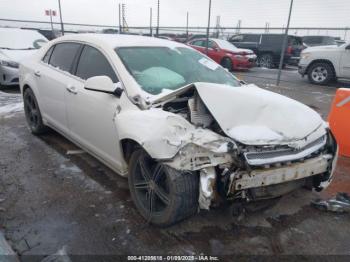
(57, 200)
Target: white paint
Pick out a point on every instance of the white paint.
(247, 133)
(256, 116)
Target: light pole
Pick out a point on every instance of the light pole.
(207, 45)
(284, 45)
(59, 7)
(157, 32)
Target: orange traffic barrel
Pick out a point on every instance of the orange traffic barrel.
(339, 120)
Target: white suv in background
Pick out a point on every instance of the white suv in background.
(325, 63)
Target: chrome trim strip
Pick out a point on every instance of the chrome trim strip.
(294, 155)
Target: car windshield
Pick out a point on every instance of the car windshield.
(160, 69)
(223, 44)
(19, 39)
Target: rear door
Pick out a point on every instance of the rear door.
(52, 76)
(91, 114)
(198, 45)
(214, 51)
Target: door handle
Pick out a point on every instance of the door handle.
(72, 89)
(37, 73)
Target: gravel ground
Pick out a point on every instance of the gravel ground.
(53, 202)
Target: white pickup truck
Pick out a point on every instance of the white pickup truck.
(323, 64)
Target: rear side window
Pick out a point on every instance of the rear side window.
(295, 40)
(63, 55)
(251, 38)
(47, 56)
(237, 38)
(272, 39)
(93, 63)
(198, 43)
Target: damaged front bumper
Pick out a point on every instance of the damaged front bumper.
(266, 177)
(226, 173)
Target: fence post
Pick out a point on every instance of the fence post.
(284, 45)
(157, 31)
(207, 45)
(59, 7)
(120, 24)
(187, 25)
(150, 21)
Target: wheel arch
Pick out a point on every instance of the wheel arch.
(322, 61)
(128, 146)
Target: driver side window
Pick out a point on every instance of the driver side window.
(93, 63)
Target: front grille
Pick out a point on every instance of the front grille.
(287, 154)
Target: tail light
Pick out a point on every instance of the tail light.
(289, 50)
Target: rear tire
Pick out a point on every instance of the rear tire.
(161, 194)
(320, 73)
(266, 60)
(227, 63)
(32, 113)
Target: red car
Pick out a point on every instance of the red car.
(225, 53)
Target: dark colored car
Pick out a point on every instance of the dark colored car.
(268, 47)
(318, 40)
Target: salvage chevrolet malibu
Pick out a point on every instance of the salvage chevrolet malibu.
(185, 132)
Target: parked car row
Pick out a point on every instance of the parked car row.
(16, 45)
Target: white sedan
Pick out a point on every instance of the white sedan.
(15, 45)
(185, 132)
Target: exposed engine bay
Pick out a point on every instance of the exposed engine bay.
(248, 172)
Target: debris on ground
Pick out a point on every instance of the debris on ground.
(75, 152)
(339, 204)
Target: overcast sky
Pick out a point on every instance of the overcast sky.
(306, 13)
(313, 13)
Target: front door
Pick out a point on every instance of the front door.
(345, 63)
(91, 114)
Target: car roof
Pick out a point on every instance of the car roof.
(120, 40)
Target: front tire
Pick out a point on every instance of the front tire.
(227, 63)
(320, 73)
(161, 194)
(32, 113)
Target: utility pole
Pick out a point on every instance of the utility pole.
(157, 31)
(51, 21)
(119, 17)
(207, 45)
(187, 25)
(59, 7)
(150, 21)
(217, 26)
(267, 27)
(284, 45)
(238, 29)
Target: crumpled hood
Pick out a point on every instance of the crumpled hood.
(16, 55)
(254, 116)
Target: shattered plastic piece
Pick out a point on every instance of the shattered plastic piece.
(206, 191)
(339, 204)
(75, 152)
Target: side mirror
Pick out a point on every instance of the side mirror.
(216, 49)
(103, 84)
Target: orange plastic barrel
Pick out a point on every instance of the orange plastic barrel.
(339, 120)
